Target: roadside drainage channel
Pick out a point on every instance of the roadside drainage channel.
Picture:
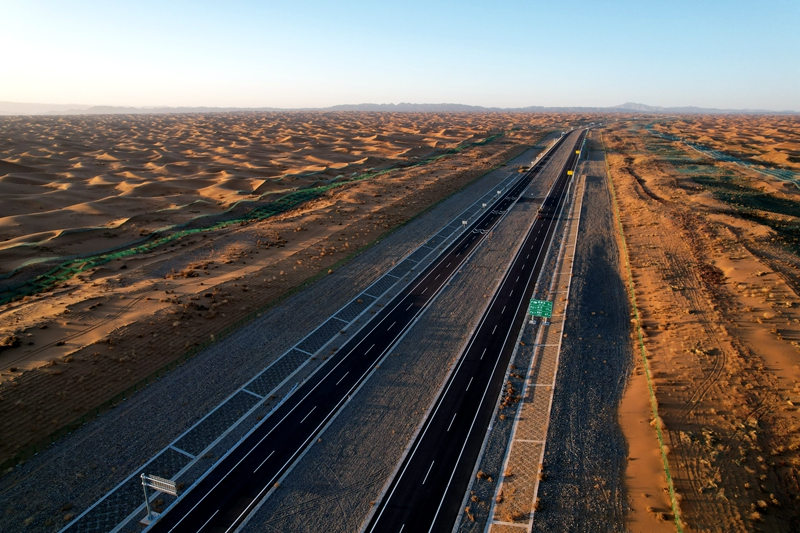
(122, 507)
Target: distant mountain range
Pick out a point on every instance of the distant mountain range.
(17, 108)
(629, 107)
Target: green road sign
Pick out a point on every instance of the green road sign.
(541, 308)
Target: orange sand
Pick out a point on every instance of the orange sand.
(721, 317)
(772, 140)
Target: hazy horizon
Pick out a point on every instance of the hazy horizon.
(320, 54)
(41, 108)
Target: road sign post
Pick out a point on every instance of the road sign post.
(160, 484)
(540, 308)
(146, 501)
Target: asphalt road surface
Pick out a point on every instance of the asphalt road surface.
(427, 492)
(223, 498)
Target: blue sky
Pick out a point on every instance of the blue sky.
(317, 53)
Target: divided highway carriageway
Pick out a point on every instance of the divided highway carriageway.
(428, 491)
(222, 499)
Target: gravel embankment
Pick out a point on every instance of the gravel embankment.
(585, 457)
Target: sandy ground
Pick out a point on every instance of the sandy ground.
(72, 347)
(713, 249)
(771, 140)
(715, 269)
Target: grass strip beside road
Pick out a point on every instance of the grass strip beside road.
(642, 349)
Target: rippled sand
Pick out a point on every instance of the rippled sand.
(135, 174)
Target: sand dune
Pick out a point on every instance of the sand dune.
(63, 173)
(771, 140)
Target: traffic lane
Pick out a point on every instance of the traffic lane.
(455, 415)
(457, 410)
(277, 421)
(298, 431)
(280, 452)
(458, 413)
(425, 496)
(453, 406)
(461, 474)
(287, 426)
(307, 413)
(235, 495)
(482, 335)
(459, 471)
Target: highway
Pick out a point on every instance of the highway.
(224, 496)
(429, 488)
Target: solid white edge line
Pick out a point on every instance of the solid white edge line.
(207, 521)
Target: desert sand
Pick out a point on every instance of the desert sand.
(716, 270)
(74, 188)
(769, 140)
(86, 184)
